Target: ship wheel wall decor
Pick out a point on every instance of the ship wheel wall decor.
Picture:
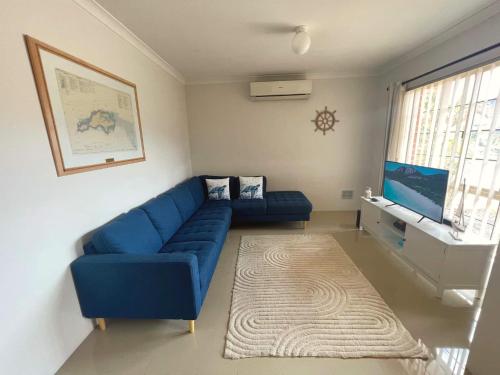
(325, 120)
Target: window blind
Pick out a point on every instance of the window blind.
(454, 124)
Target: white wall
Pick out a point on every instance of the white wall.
(230, 134)
(42, 216)
(469, 41)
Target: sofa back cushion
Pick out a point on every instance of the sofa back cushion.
(89, 248)
(251, 187)
(164, 215)
(130, 233)
(196, 188)
(234, 185)
(264, 185)
(218, 189)
(183, 200)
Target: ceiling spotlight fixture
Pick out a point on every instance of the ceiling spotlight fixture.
(301, 40)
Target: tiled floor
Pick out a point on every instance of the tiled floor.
(164, 347)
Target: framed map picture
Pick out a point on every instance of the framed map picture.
(92, 116)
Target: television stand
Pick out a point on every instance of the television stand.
(422, 218)
(428, 248)
(390, 205)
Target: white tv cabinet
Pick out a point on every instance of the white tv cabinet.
(428, 247)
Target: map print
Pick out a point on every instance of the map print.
(98, 118)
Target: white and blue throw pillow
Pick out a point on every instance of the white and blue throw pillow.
(251, 187)
(218, 189)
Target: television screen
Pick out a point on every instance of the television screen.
(420, 189)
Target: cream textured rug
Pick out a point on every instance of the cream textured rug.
(302, 296)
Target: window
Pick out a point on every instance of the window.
(454, 124)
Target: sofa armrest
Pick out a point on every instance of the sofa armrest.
(151, 286)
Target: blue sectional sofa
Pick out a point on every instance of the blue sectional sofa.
(156, 261)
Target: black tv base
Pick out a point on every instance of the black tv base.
(422, 218)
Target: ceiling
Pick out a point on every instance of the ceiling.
(226, 40)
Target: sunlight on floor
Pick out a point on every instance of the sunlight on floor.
(442, 361)
(454, 359)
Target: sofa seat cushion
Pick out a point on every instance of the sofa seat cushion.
(214, 231)
(207, 254)
(249, 207)
(164, 215)
(222, 214)
(193, 222)
(183, 200)
(130, 233)
(216, 204)
(287, 202)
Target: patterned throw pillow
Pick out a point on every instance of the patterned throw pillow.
(218, 189)
(251, 187)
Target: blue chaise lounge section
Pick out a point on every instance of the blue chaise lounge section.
(157, 260)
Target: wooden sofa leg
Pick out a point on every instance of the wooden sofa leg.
(304, 224)
(191, 326)
(101, 323)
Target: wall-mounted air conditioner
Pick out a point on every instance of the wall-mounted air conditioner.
(280, 90)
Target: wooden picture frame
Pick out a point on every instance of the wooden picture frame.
(91, 116)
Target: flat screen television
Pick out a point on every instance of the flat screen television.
(420, 189)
